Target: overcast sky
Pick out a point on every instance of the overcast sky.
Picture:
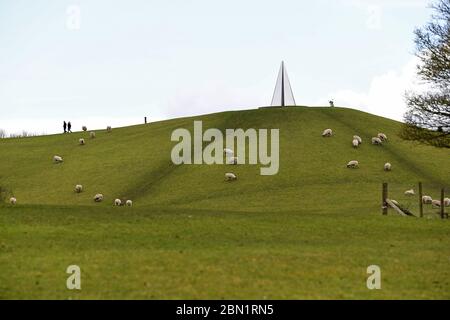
(105, 62)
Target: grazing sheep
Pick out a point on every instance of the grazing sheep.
(327, 133)
(233, 160)
(357, 138)
(92, 134)
(81, 141)
(387, 166)
(353, 164)
(108, 129)
(98, 197)
(447, 202)
(117, 202)
(13, 200)
(409, 192)
(427, 200)
(228, 152)
(355, 143)
(129, 203)
(382, 137)
(377, 141)
(78, 188)
(436, 203)
(84, 128)
(57, 159)
(229, 176)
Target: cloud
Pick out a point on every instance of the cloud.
(374, 8)
(373, 21)
(385, 95)
(212, 97)
(46, 100)
(389, 3)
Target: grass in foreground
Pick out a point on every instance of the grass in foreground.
(137, 253)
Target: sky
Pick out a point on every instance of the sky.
(112, 62)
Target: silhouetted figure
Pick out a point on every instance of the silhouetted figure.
(69, 127)
(331, 103)
(65, 127)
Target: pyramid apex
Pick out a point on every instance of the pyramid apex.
(283, 95)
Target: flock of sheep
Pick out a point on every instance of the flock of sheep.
(429, 200)
(378, 140)
(79, 188)
(231, 159)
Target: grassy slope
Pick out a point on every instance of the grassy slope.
(308, 232)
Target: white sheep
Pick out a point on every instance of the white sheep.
(92, 134)
(129, 203)
(13, 200)
(108, 129)
(327, 133)
(229, 176)
(382, 137)
(447, 202)
(377, 141)
(233, 160)
(117, 202)
(98, 197)
(353, 164)
(84, 128)
(357, 138)
(355, 143)
(78, 188)
(427, 200)
(57, 159)
(436, 203)
(410, 192)
(228, 152)
(81, 141)
(387, 166)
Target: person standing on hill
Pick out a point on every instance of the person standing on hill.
(65, 127)
(69, 127)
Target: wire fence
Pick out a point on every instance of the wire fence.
(420, 200)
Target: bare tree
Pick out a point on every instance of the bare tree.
(428, 116)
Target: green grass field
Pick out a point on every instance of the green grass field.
(308, 232)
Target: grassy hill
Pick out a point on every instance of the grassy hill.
(310, 231)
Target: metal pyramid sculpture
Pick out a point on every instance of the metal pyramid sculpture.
(282, 95)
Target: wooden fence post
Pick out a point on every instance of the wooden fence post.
(145, 120)
(420, 199)
(384, 204)
(442, 203)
